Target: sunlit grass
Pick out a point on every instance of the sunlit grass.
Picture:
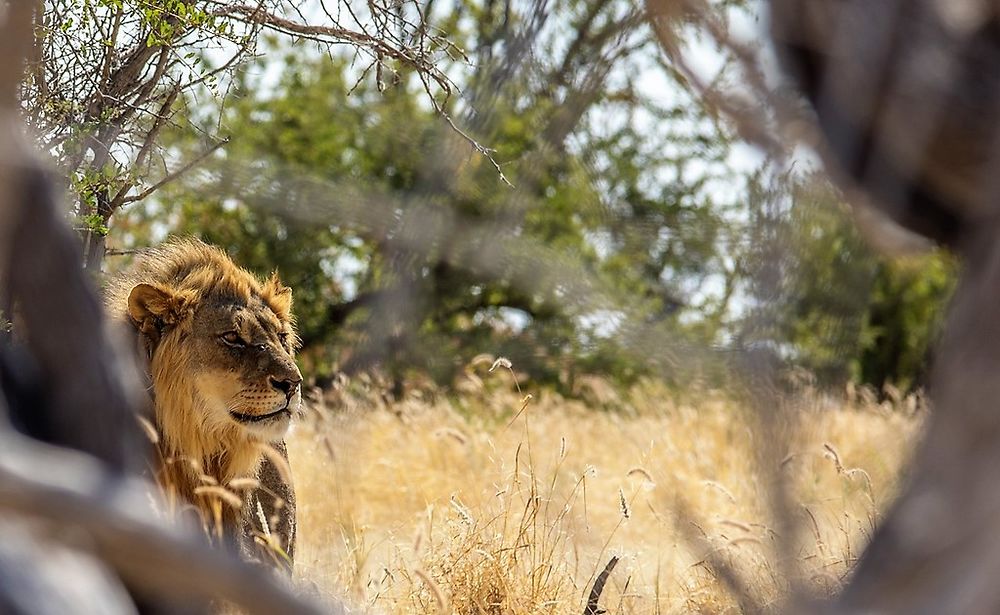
(445, 504)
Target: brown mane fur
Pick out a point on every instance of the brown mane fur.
(191, 272)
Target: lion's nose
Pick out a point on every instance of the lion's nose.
(287, 386)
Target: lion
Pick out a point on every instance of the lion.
(218, 344)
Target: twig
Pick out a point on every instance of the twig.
(122, 252)
(361, 39)
(175, 174)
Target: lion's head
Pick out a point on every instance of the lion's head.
(220, 346)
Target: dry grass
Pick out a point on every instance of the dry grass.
(442, 504)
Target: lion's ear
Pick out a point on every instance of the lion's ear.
(158, 305)
(278, 297)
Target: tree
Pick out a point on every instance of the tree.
(842, 310)
(107, 77)
(638, 214)
(878, 119)
(590, 215)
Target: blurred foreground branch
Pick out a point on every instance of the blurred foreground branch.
(918, 141)
(68, 385)
(71, 491)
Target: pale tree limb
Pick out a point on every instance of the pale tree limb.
(69, 490)
(88, 405)
(16, 43)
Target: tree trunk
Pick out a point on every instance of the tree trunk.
(938, 550)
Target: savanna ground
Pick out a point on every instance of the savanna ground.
(485, 501)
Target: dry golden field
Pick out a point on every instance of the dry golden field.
(462, 504)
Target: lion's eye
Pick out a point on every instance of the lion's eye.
(233, 338)
(283, 338)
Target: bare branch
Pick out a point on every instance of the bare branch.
(176, 173)
(70, 490)
(377, 45)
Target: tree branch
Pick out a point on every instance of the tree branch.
(378, 45)
(69, 489)
(337, 314)
(175, 174)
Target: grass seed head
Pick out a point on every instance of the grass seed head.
(501, 362)
(623, 503)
